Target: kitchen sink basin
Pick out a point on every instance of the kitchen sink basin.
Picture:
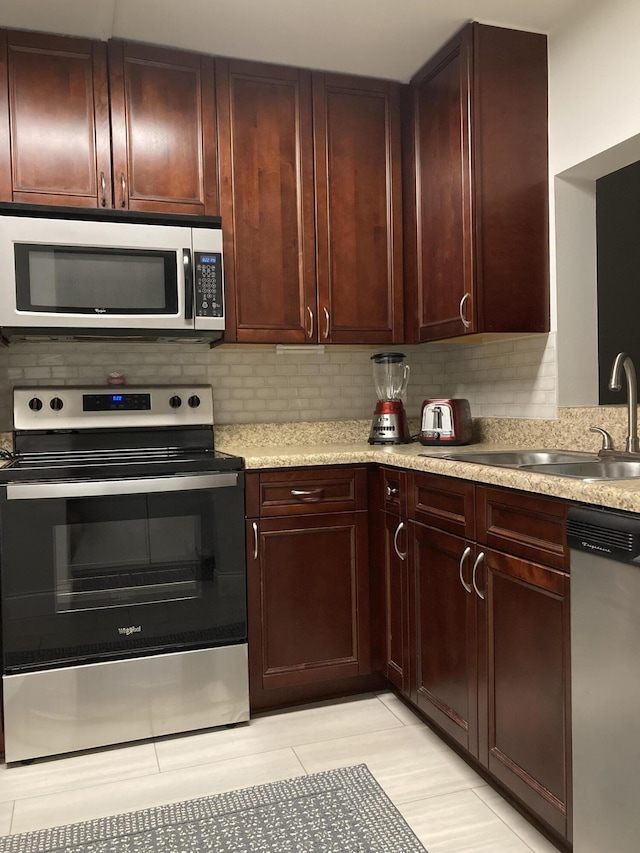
(559, 463)
(596, 469)
(520, 458)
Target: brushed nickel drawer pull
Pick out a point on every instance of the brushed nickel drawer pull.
(392, 491)
(479, 559)
(103, 190)
(310, 332)
(255, 540)
(308, 495)
(401, 554)
(123, 184)
(466, 323)
(326, 317)
(464, 556)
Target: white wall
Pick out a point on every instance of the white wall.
(594, 129)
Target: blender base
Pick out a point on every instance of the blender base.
(389, 425)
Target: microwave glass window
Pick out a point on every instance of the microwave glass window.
(109, 281)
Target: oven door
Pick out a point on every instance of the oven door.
(105, 569)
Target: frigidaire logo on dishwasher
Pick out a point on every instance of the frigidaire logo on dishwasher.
(132, 629)
(595, 547)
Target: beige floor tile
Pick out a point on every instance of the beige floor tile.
(130, 795)
(6, 813)
(95, 767)
(399, 709)
(293, 727)
(410, 762)
(460, 823)
(529, 834)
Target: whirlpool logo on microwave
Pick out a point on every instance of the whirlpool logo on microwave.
(132, 629)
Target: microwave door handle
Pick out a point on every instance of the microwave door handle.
(188, 284)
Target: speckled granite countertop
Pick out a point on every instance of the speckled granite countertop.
(622, 494)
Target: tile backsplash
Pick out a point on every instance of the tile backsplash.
(254, 384)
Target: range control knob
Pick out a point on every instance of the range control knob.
(35, 404)
(56, 404)
(194, 401)
(175, 402)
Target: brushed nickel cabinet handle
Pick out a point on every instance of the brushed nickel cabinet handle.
(255, 540)
(310, 332)
(479, 559)
(103, 190)
(464, 556)
(326, 327)
(308, 495)
(401, 554)
(466, 323)
(123, 184)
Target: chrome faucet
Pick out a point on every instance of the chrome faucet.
(624, 362)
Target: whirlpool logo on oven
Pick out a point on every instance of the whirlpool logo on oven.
(132, 629)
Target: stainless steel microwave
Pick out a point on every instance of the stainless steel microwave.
(68, 273)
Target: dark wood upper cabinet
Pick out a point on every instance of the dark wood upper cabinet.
(476, 187)
(163, 129)
(358, 209)
(310, 193)
(266, 192)
(54, 120)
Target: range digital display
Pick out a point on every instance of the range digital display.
(116, 402)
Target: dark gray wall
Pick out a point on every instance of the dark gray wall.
(618, 230)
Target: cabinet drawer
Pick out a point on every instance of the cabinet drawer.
(394, 491)
(302, 491)
(527, 526)
(442, 502)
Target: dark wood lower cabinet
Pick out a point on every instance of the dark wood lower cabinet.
(396, 556)
(525, 744)
(308, 599)
(446, 640)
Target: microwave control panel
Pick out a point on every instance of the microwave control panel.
(208, 267)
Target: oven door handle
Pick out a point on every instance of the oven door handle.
(102, 488)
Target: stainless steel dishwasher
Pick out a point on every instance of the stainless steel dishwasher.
(605, 663)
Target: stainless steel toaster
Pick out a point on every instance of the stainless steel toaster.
(445, 422)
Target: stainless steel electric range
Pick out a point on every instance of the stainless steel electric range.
(122, 563)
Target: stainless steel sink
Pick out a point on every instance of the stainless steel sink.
(559, 463)
(520, 458)
(596, 469)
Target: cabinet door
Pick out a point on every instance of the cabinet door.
(266, 179)
(358, 209)
(163, 127)
(396, 540)
(445, 633)
(477, 187)
(442, 214)
(308, 599)
(54, 120)
(525, 688)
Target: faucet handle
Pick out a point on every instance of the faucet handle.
(607, 441)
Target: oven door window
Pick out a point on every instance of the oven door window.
(69, 280)
(110, 562)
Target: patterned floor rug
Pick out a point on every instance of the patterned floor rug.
(338, 811)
